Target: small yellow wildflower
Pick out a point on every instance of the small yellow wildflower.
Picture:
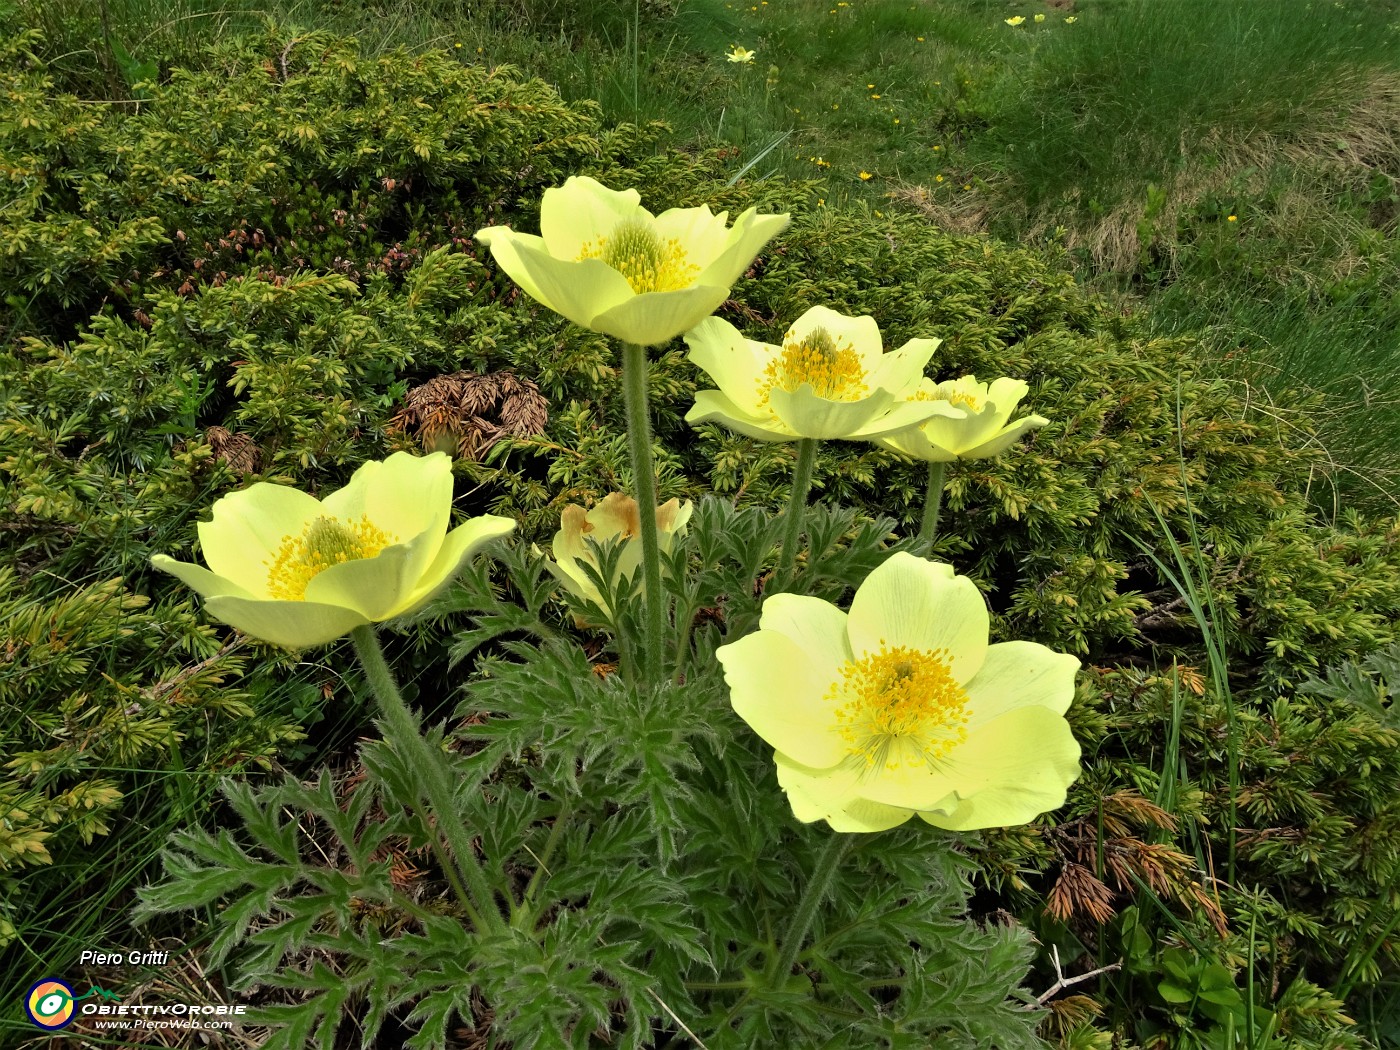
(967, 185)
(896, 120)
(865, 176)
(939, 178)
(1230, 218)
(1071, 20)
(874, 96)
(739, 54)
(870, 85)
(456, 45)
(1040, 18)
(937, 148)
(836, 105)
(919, 39)
(1014, 21)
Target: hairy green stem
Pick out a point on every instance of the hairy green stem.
(634, 387)
(797, 505)
(827, 864)
(434, 781)
(561, 820)
(933, 503)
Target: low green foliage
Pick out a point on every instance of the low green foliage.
(648, 859)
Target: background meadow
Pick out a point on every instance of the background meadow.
(236, 238)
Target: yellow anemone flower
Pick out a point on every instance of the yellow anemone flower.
(829, 379)
(977, 429)
(297, 571)
(740, 55)
(616, 518)
(1015, 21)
(901, 706)
(609, 265)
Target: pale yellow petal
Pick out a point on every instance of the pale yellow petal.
(457, 546)
(701, 234)
(291, 624)
(506, 246)
(371, 586)
(581, 211)
(576, 582)
(773, 689)
(898, 417)
(1008, 436)
(817, 798)
(1020, 674)
(407, 496)
(747, 237)
(817, 627)
(922, 605)
(1006, 394)
(713, 407)
(902, 370)
(578, 291)
(861, 333)
(653, 318)
(912, 443)
(955, 435)
(736, 364)
(197, 577)
(247, 529)
(810, 416)
(1010, 771)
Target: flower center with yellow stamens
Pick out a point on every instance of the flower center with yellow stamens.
(900, 706)
(636, 251)
(968, 399)
(323, 543)
(833, 370)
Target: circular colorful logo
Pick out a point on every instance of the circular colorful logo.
(49, 1004)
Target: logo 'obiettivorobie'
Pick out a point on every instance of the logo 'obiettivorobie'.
(49, 1004)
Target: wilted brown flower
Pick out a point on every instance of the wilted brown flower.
(467, 412)
(239, 451)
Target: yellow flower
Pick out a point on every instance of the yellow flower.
(830, 379)
(1230, 218)
(865, 176)
(297, 571)
(616, 519)
(976, 428)
(901, 706)
(938, 178)
(1071, 20)
(740, 55)
(1014, 21)
(606, 263)
(1040, 18)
